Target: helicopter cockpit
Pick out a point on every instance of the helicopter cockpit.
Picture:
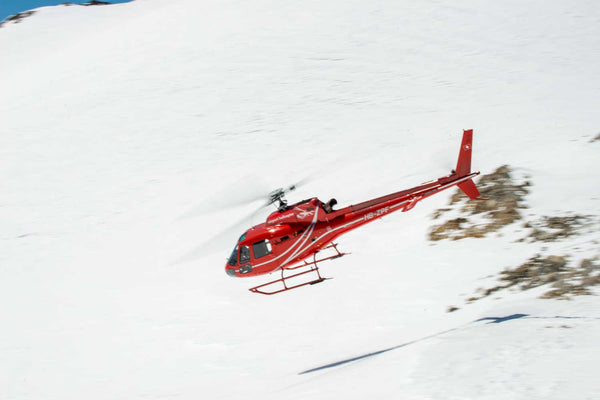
(243, 254)
(285, 223)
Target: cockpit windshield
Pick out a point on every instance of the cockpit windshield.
(233, 257)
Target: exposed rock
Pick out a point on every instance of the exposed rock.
(565, 280)
(439, 212)
(20, 16)
(535, 272)
(17, 18)
(550, 229)
(506, 199)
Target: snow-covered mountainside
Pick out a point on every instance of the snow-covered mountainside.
(126, 129)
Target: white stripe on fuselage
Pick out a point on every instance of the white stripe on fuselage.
(298, 244)
(308, 234)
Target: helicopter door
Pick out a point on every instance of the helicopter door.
(261, 249)
(244, 254)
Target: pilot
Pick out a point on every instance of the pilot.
(328, 207)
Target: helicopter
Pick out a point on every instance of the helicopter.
(293, 237)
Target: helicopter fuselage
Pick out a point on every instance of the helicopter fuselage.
(294, 233)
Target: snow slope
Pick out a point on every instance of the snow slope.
(116, 121)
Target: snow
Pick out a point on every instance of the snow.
(118, 121)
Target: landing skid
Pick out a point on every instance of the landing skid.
(282, 284)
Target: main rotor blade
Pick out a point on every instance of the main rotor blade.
(245, 191)
(242, 192)
(221, 241)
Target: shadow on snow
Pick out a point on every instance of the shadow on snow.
(492, 320)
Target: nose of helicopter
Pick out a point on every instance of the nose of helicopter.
(230, 271)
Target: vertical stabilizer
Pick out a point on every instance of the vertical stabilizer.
(463, 166)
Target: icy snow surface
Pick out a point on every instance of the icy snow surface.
(117, 121)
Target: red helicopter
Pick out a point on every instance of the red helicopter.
(292, 236)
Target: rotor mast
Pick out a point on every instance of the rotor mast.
(278, 196)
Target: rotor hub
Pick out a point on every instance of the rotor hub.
(278, 196)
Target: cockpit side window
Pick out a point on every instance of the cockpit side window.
(244, 254)
(261, 249)
(233, 257)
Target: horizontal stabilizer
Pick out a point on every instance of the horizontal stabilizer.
(469, 188)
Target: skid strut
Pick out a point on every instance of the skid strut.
(282, 284)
